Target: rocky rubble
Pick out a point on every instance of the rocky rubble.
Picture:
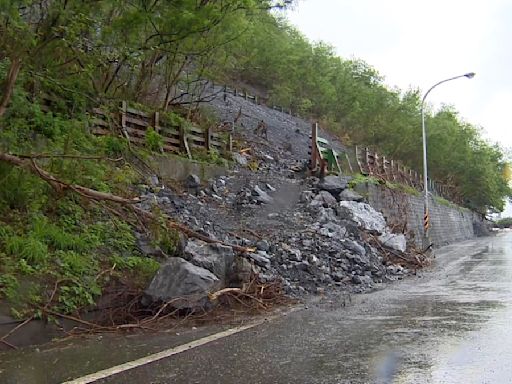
(315, 243)
(316, 236)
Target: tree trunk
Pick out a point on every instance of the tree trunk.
(8, 85)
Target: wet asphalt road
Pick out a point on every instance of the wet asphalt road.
(452, 324)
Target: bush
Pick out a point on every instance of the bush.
(154, 142)
(114, 146)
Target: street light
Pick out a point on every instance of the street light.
(426, 222)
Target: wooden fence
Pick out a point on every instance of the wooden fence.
(373, 164)
(133, 124)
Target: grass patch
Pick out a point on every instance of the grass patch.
(404, 188)
(363, 179)
(442, 201)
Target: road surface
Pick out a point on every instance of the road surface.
(452, 324)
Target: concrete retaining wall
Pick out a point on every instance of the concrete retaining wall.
(449, 223)
(178, 168)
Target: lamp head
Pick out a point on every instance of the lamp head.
(470, 75)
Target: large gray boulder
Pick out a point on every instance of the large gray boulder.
(216, 258)
(184, 282)
(364, 215)
(333, 184)
(394, 241)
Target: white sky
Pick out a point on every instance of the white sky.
(418, 43)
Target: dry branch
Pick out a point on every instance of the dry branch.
(214, 296)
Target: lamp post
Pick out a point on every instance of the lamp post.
(426, 218)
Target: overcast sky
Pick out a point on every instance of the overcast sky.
(418, 43)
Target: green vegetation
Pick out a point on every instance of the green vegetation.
(154, 141)
(60, 251)
(505, 222)
(443, 201)
(362, 179)
(404, 188)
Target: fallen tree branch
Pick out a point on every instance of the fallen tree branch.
(31, 166)
(73, 318)
(4, 337)
(214, 296)
(65, 156)
(8, 344)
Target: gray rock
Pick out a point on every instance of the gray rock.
(215, 189)
(261, 196)
(364, 215)
(270, 188)
(324, 199)
(306, 196)
(193, 181)
(313, 260)
(354, 247)
(164, 200)
(154, 181)
(325, 232)
(350, 195)
(333, 184)
(395, 269)
(240, 159)
(295, 255)
(148, 201)
(325, 215)
(303, 265)
(179, 279)
(242, 270)
(394, 241)
(357, 261)
(263, 245)
(334, 230)
(338, 276)
(216, 258)
(260, 259)
(145, 246)
(362, 280)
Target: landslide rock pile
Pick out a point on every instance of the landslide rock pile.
(316, 236)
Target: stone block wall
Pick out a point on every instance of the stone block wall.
(449, 224)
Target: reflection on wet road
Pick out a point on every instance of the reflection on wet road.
(452, 325)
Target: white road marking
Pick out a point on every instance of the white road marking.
(167, 353)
